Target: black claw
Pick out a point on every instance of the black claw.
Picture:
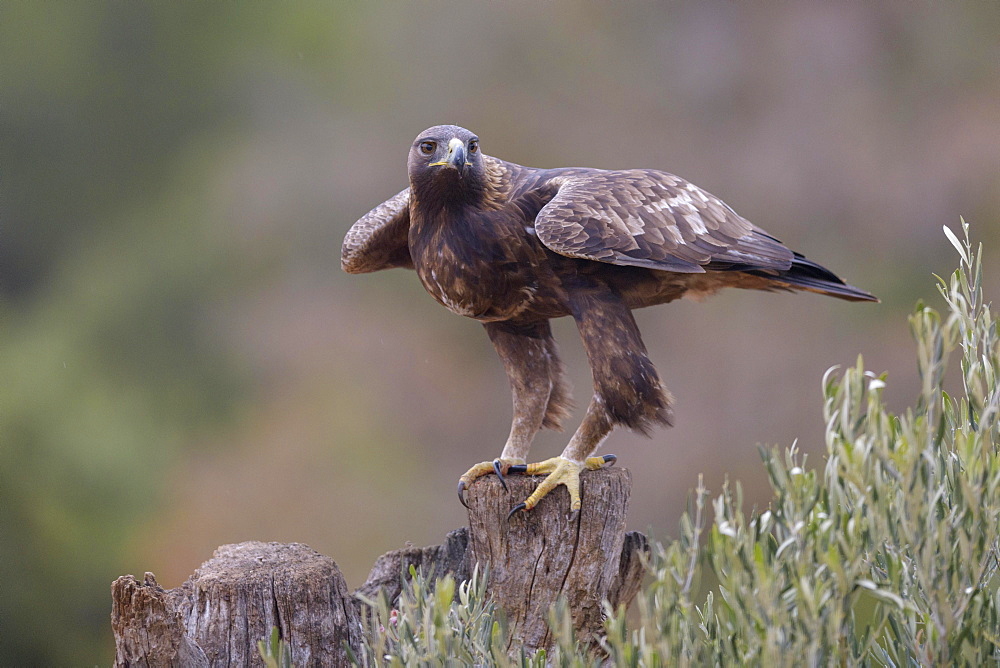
(461, 496)
(496, 469)
(517, 468)
(513, 510)
(610, 458)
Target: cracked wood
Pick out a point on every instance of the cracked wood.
(539, 556)
(231, 602)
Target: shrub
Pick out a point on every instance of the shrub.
(887, 555)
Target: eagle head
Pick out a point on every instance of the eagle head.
(445, 163)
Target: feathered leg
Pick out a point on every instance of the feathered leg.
(627, 390)
(540, 393)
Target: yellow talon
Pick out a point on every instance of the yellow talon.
(561, 471)
(594, 463)
(477, 471)
(498, 466)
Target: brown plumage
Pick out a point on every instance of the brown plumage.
(515, 246)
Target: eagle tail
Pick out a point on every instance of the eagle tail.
(805, 274)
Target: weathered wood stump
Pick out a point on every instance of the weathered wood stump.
(436, 561)
(231, 602)
(538, 556)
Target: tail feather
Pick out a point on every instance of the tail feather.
(805, 274)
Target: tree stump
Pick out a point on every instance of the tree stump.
(538, 556)
(436, 561)
(231, 602)
(235, 598)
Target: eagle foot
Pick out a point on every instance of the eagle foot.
(558, 471)
(500, 467)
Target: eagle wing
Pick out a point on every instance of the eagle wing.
(652, 219)
(379, 239)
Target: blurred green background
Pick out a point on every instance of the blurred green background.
(183, 363)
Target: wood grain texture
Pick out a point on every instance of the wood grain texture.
(149, 631)
(231, 602)
(217, 616)
(539, 556)
(436, 561)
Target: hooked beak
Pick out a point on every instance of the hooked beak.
(456, 156)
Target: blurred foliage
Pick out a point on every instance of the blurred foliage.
(436, 623)
(175, 180)
(890, 555)
(275, 652)
(107, 371)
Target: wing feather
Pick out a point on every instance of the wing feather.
(652, 219)
(379, 239)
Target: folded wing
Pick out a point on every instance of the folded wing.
(379, 239)
(652, 219)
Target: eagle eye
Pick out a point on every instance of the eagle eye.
(427, 147)
(473, 146)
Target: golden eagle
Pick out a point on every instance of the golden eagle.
(514, 246)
